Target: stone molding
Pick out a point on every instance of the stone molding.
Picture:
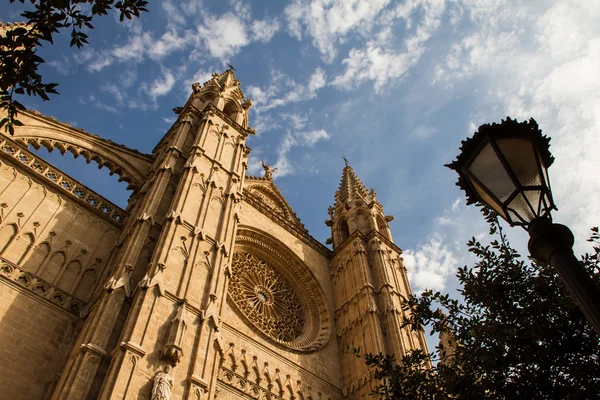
(373, 234)
(130, 165)
(249, 375)
(52, 176)
(294, 229)
(40, 288)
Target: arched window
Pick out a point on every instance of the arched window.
(230, 110)
(344, 231)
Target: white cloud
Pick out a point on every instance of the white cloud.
(160, 87)
(297, 121)
(169, 43)
(263, 31)
(539, 60)
(192, 7)
(283, 90)
(298, 139)
(311, 138)
(317, 80)
(254, 165)
(328, 22)
(134, 49)
(423, 132)
(223, 36)
(375, 64)
(175, 15)
(430, 265)
(387, 66)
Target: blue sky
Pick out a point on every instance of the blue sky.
(393, 86)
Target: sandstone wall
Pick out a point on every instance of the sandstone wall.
(34, 337)
(56, 237)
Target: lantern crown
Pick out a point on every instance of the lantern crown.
(505, 166)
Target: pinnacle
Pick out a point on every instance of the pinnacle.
(350, 188)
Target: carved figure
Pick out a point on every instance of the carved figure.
(330, 210)
(196, 87)
(373, 195)
(268, 170)
(163, 383)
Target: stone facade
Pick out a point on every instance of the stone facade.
(208, 270)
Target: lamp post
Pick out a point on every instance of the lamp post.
(506, 166)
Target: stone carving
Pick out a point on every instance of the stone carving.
(269, 200)
(268, 171)
(163, 383)
(36, 285)
(72, 187)
(373, 195)
(265, 297)
(173, 347)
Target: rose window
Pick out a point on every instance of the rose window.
(265, 297)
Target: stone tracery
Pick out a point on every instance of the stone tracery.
(311, 326)
(265, 297)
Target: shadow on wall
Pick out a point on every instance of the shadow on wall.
(51, 249)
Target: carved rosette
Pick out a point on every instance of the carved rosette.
(265, 297)
(276, 293)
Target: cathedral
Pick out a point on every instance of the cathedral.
(206, 286)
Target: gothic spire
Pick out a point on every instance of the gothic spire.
(350, 188)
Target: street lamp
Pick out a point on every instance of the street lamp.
(506, 166)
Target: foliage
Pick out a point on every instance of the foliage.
(19, 61)
(517, 334)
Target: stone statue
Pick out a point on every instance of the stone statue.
(330, 210)
(196, 87)
(268, 171)
(163, 383)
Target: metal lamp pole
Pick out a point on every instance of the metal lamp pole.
(553, 244)
(505, 166)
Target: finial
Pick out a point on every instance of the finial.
(268, 170)
(346, 161)
(230, 67)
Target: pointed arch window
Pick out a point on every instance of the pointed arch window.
(230, 110)
(343, 231)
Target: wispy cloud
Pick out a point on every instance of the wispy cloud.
(283, 90)
(386, 66)
(540, 62)
(298, 139)
(328, 23)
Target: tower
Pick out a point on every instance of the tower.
(170, 269)
(369, 281)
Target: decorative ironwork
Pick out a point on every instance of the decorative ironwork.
(265, 297)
